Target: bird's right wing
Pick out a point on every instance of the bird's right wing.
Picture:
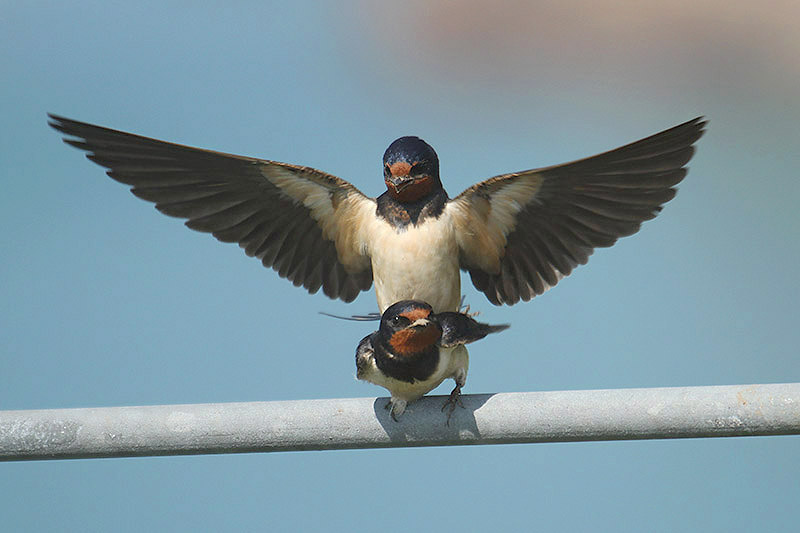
(305, 224)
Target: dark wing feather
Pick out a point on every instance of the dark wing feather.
(303, 223)
(458, 328)
(520, 233)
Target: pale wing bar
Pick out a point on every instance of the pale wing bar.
(228, 196)
(583, 205)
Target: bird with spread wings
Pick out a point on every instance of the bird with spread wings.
(516, 234)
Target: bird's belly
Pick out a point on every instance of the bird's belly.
(420, 263)
(451, 361)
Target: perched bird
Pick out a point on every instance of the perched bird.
(415, 349)
(516, 234)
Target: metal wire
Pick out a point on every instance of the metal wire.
(506, 418)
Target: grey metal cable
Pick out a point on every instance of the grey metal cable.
(504, 418)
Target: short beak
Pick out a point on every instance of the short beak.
(420, 323)
(400, 182)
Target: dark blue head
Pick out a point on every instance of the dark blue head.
(412, 150)
(409, 327)
(410, 169)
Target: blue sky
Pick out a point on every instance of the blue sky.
(105, 302)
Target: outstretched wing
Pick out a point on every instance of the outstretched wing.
(519, 234)
(305, 224)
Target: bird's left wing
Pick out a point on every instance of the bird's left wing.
(458, 328)
(518, 234)
(305, 224)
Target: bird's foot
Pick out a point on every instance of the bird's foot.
(465, 310)
(464, 307)
(452, 401)
(397, 407)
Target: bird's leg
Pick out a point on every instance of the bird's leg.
(465, 310)
(455, 396)
(397, 406)
(453, 400)
(464, 307)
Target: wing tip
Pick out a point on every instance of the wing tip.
(53, 119)
(68, 127)
(58, 123)
(693, 129)
(496, 328)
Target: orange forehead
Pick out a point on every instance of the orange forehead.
(400, 168)
(416, 313)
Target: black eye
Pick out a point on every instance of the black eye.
(399, 320)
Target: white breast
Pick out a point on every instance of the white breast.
(419, 263)
(453, 363)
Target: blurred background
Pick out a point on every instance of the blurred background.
(105, 302)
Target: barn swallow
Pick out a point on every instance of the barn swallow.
(516, 234)
(415, 349)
